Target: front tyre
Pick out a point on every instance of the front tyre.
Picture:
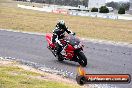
(82, 59)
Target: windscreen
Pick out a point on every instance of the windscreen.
(73, 40)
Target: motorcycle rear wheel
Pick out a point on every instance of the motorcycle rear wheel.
(60, 58)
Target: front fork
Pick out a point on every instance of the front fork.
(75, 57)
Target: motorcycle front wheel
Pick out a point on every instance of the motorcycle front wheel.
(82, 59)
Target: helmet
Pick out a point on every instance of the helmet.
(61, 22)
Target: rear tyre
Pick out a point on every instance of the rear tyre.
(82, 59)
(59, 57)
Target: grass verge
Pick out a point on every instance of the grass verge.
(15, 18)
(13, 76)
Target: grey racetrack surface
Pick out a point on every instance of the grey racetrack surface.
(102, 58)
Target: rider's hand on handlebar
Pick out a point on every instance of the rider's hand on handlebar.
(73, 33)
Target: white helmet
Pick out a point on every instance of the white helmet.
(61, 22)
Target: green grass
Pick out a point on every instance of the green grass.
(17, 70)
(15, 18)
(23, 79)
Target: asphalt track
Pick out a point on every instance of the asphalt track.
(102, 58)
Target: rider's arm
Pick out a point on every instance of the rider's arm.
(67, 30)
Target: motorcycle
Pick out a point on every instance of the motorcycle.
(72, 50)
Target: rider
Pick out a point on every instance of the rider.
(59, 33)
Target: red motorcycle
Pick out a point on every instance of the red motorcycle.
(72, 50)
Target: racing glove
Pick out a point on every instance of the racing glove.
(72, 33)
